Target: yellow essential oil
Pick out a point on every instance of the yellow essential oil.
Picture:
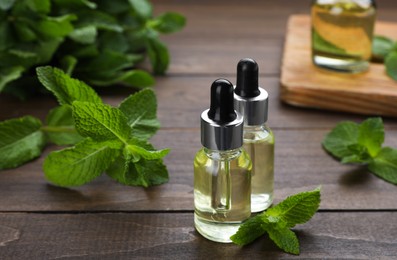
(222, 192)
(259, 144)
(342, 33)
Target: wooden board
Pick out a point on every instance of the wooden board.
(303, 84)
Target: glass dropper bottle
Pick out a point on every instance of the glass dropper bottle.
(222, 169)
(252, 102)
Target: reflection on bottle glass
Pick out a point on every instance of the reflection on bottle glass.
(342, 33)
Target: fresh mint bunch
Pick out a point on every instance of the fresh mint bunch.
(278, 220)
(107, 139)
(100, 42)
(362, 143)
(385, 50)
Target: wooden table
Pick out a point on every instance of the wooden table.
(358, 212)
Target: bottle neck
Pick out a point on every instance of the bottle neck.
(256, 128)
(222, 155)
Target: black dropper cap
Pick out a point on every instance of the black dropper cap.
(249, 99)
(221, 125)
(222, 107)
(247, 78)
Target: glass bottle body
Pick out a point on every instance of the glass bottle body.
(342, 33)
(222, 188)
(259, 144)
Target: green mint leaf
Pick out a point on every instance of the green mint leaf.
(100, 20)
(371, 135)
(113, 41)
(360, 155)
(64, 87)
(6, 37)
(381, 46)
(384, 165)
(391, 65)
(84, 35)
(138, 78)
(142, 173)
(109, 61)
(100, 122)
(147, 154)
(21, 140)
(24, 33)
(6, 4)
(75, 3)
(296, 209)
(142, 149)
(353, 142)
(142, 7)
(80, 164)
(168, 22)
(56, 26)
(337, 142)
(249, 231)
(158, 55)
(60, 126)
(39, 6)
(284, 238)
(140, 110)
(320, 44)
(10, 74)
(120, 168)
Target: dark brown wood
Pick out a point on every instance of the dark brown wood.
(301, 164)
(172, 236)
(182, 99)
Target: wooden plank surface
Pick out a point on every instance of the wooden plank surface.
(303, 84)
(300, 165)
(181, 100)
(172, 236)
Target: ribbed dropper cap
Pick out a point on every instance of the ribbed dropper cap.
(249, 99)
(221, 125)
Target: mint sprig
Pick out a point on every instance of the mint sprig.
(278, 220)
(100, 42)
(362, 143)
(109, 139)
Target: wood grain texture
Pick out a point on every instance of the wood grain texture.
(172, 236)
(303, 84)
(182, 99)
(301, 164)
